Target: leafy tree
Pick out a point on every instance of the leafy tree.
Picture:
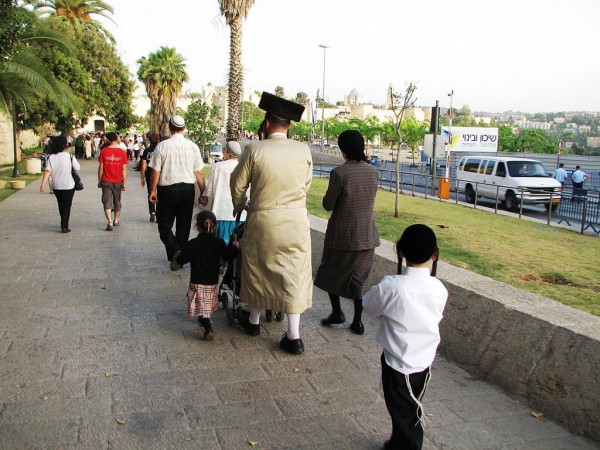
(536, 141)
(77, 12)
(234, 12)
(302, 98)
(280, 92)
(200, 121)
(400, 103)
(94, 72)
(250, 114)
(370, 127)
(302, 131)
(24, 78)
(507, 139)
(163, 73)
(413, 134)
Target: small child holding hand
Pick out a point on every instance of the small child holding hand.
(411, 305)
(204, 253)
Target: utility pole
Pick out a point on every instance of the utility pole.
(324, 47)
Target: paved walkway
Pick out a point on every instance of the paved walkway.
(97, 353)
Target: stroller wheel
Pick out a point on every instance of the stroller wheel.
(269, 315)
(278, 316)
(224, 300)
(230, 318)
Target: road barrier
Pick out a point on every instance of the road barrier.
(579, 205)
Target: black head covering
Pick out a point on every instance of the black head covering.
(352, 144)
(280, 107)
(418, 243)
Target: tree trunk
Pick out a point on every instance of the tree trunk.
(397, 200)
(236, 80)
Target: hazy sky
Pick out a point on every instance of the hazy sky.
(528, 55)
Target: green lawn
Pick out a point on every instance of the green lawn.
(6, 175)
(556, 263)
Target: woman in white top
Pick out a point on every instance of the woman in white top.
(60, 163)
(217, 196)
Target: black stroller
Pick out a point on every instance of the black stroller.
(229, 290)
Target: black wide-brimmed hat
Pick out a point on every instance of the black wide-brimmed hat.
(280, 107)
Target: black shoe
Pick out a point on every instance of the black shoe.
(333, 319)
(244, 321)
(357, 327)
(209, 335)
(174, 264)
(293, 346)
(65, 230)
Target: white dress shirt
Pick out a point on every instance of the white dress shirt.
(176, 159)
(411, 307)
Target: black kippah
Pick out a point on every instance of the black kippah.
(417, 243)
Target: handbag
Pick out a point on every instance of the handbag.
(76, 177)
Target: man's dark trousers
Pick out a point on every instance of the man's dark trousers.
(175, 204)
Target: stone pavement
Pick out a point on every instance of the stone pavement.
(97, 352)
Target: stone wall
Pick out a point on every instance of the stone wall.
(541, 352)
(6, 140)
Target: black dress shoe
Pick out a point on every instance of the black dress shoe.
(293, 346)
(357, 327)
(244, 321)
(65, 230)
(333, 319)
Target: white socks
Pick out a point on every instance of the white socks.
(254, 315)
(293, 326)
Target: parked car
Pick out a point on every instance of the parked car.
(216, 151)
(513, 180)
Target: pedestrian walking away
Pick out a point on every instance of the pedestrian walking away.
(410, 306)
(146, 172)
(204, 254)
(60, 164)
(351, 236)
(217, 196)
(176, 164)
(112, 179)
(276, 249)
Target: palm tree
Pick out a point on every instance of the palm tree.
(163, 74)
(25, 78)
(234, 12)
(77, 12)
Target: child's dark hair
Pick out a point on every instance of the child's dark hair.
(418, 244)
(206, 221)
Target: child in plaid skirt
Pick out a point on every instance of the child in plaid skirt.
(204, 253)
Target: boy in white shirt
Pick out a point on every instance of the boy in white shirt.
(411, 306)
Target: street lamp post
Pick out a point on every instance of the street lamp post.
(324, 47)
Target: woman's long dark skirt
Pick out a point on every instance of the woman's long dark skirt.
(345, 273)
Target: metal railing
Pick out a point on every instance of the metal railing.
(415, 178)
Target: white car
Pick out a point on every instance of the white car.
(216, 151)
(512, 180)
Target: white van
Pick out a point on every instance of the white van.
(513, 180)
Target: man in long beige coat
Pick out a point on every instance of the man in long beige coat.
(276, 269)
